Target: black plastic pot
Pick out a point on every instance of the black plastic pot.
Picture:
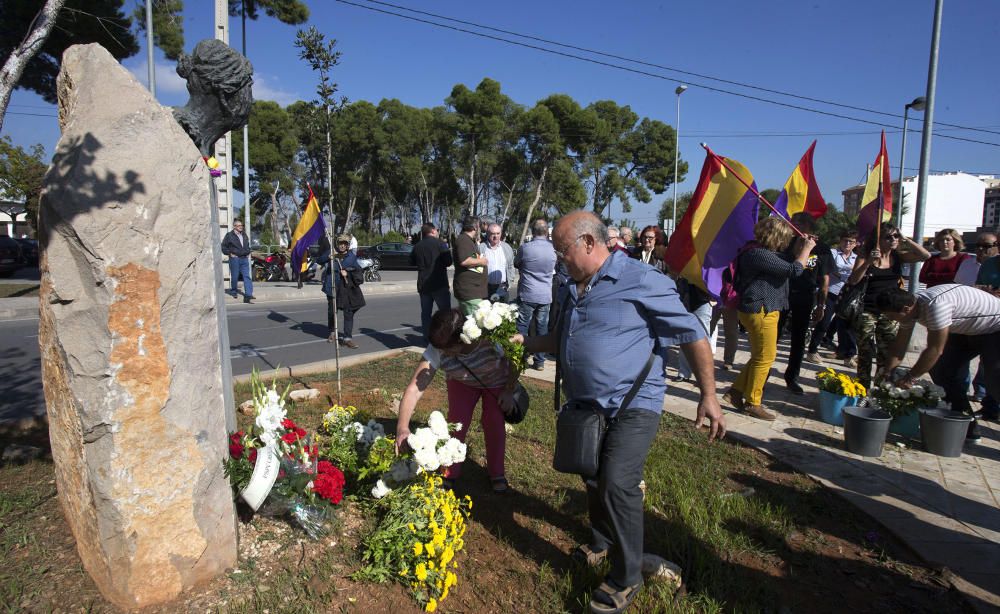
(943, 431)
(865, 429)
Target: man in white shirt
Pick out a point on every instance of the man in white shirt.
(986, 247)
(499, 263)
(962, 322)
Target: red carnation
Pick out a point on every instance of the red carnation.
(324, 466)
(289, 438)
(314, 451)
(327, 486)
(235, 450)
(253, 456)
(300, 432)
(287, 424)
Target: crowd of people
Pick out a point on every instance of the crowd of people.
(586, 292)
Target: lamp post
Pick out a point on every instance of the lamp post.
(918, 104)
(677, 153)
(925, 142)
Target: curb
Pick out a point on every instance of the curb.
(325, 365)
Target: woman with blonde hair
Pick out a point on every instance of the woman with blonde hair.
(942, 266)
(762, 274)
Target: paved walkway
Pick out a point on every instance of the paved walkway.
(945, 509)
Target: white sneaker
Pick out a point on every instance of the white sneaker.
(851, 362)
(813, 357)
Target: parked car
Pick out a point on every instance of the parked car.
(29, 251)
(390, 255)
(10, 256)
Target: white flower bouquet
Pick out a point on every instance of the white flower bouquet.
(498, 323)
(433, 447)
(903, 401)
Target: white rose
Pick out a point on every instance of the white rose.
(439, 426)
(380, 490)
(427, 459)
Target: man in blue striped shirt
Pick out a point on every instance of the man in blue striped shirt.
(614, 313)
(536, 260)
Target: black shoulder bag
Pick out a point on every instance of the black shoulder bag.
(521, 398)
(580, 430)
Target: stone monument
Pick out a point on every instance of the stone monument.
(130, 339)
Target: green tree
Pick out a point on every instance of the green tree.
(33, 39)
(834, 223)
(286, 11)
(667, 208)
(273, 146)
(322, 57)
(621, 157)
(21, 176)
(168, 25)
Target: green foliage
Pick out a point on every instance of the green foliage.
(380, 456)
(79, 22)
(21, 175)
(292, 12)
(393, 237)
(168, 25)
(833, 224)
(273, 146)
(667, 208)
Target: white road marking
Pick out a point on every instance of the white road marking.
(247, 351)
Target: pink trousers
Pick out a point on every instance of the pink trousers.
(462, 400)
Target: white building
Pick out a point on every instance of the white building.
(954, 200)
(991, 205)
(13, 218)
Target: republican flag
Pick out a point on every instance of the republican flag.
(718, 222)
(308, 231)
(877, 198)
(801, 192)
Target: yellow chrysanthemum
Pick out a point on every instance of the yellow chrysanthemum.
(418, 548)
(431, 605)
(420, 572)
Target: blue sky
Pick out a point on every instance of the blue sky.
(863, 53)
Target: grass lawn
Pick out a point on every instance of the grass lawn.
(12, 290)
(749, 534)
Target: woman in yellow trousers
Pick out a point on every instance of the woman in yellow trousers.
(762, 274)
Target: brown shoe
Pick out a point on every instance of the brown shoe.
(758, 411)
(735, 398)
(349, 344)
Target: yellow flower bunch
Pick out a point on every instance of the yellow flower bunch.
(436, 537)
(417, 539)
(339, 416)
(840, 383)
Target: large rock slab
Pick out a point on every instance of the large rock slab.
(129, 340)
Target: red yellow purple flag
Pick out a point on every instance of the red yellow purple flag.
(801, 191)
(877, 198)
(718, 222)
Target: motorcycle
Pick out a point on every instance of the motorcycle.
(270, 267)
(370, 267)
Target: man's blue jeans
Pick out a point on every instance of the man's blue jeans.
(442, 298)
(540, 312)
(237, 267)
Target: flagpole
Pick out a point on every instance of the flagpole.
(752, 189)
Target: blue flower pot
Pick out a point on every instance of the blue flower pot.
(906, 426)
(831, 407)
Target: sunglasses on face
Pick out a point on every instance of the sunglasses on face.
(892, 237)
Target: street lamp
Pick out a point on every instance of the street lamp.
(677, 153)
(918, 104)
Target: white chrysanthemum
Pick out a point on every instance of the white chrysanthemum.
(492, 321)
(422, 439)
(917, 390)
(439, 426)
(470, 330)
(465, 338)
(380, 490)
(427, 458)
(453, 451)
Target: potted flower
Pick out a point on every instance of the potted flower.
(837, 390)
(902, 404)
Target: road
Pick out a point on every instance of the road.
(265, 335)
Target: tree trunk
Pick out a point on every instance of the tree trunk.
(534, 203)
(371, 214)
(352, 199)
(506, 207)
(13, 67)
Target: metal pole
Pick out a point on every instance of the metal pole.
(149, 48)
(677, 154)
(902, 160)
(925, 142)
(246, 145)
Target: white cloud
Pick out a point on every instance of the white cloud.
(265, 89)
(168, 82)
